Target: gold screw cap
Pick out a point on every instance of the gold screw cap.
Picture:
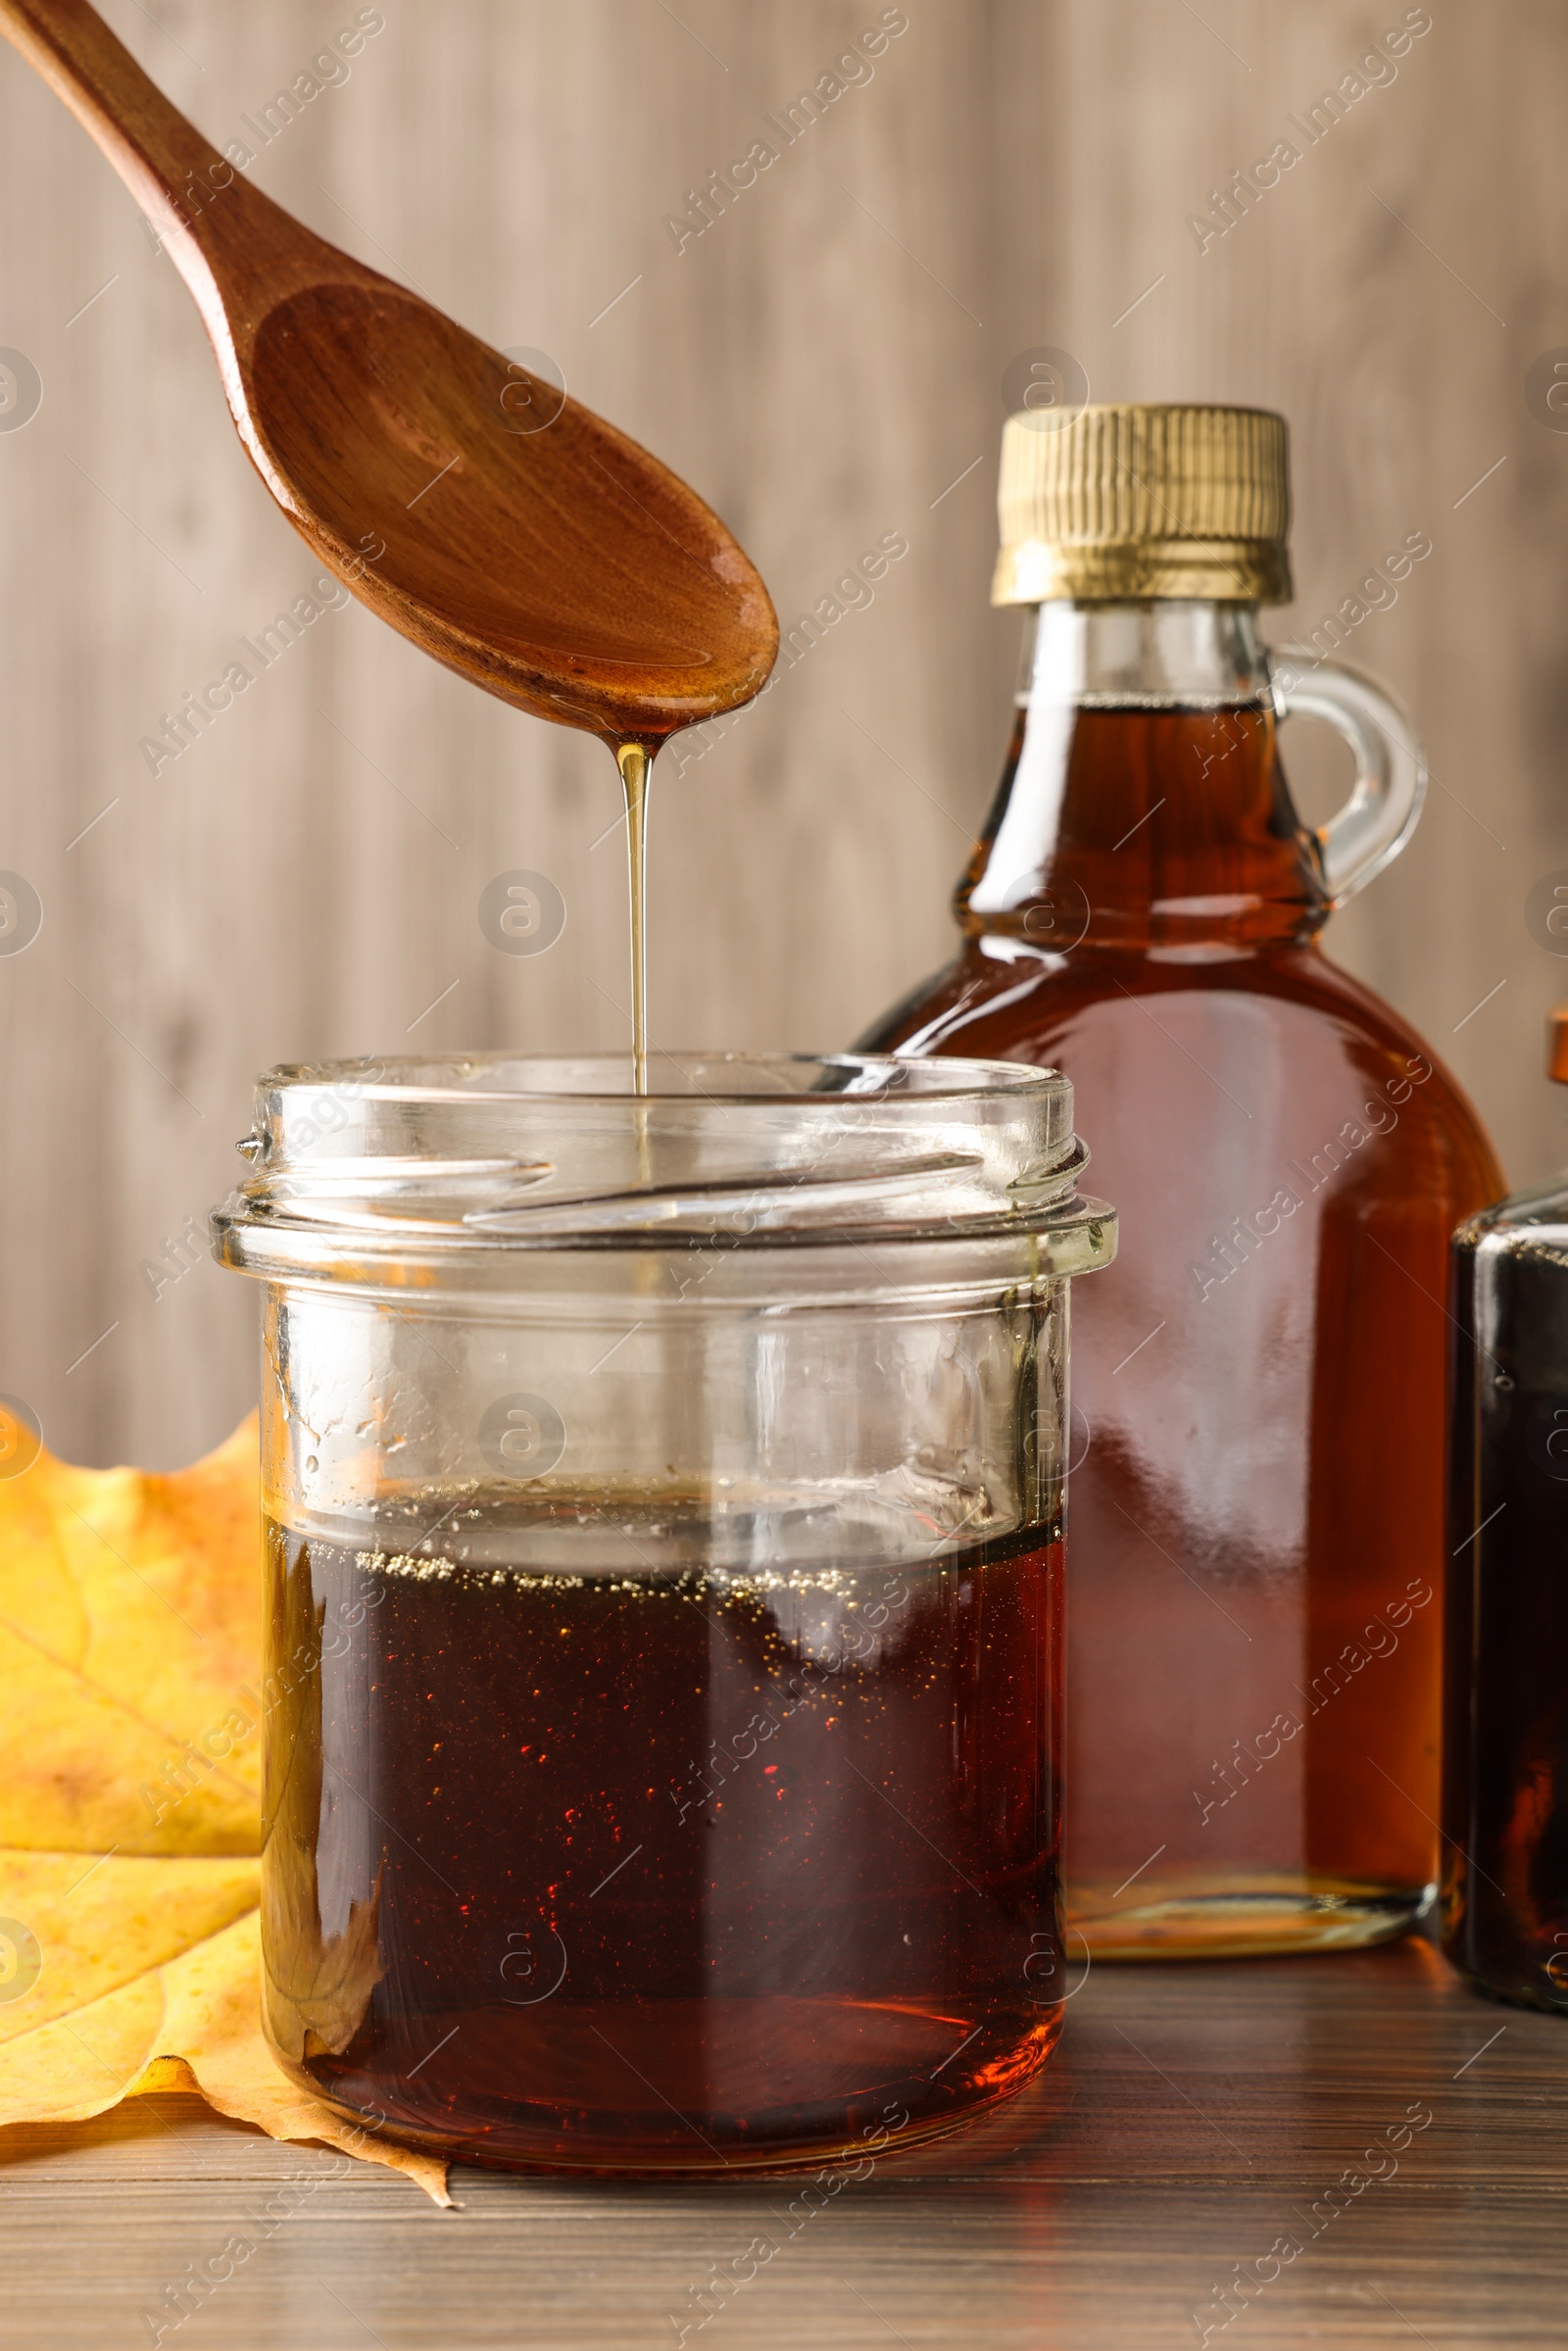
(1118, 503)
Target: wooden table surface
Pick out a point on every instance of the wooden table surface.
(1194, 2119)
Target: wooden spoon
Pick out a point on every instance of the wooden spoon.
(507, 530)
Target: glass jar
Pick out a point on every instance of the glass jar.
(664, 1505)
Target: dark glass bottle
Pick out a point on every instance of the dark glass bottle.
(1256, 1559)
(1505, 1756)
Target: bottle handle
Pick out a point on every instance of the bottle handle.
(1391, 768)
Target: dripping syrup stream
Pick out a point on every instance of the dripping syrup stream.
(635, 765)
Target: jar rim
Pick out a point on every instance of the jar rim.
(945, 1076)
(364, 1171)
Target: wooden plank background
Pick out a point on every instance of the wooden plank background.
(824, 363)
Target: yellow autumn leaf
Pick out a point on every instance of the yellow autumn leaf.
(131, 1803)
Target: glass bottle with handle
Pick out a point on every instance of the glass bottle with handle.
(1255, 1569)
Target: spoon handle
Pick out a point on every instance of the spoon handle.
(226, 239)
(155, 150)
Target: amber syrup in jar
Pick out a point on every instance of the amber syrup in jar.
(593, 1844)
